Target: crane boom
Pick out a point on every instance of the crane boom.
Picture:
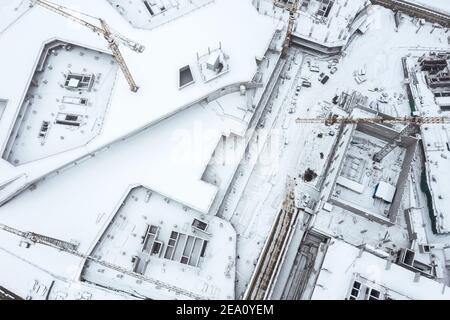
(109, 36)
(411, 127)
(390, 146)
(119, 58)
(60, 10)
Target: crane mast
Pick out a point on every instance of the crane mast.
(109, 36)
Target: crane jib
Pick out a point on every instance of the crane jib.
(103, 30)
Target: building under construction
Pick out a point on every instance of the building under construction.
(359, 182)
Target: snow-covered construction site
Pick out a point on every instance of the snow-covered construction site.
(225, 149)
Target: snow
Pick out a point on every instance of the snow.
(337, 274)
(45, 103)
(435, 139)
(11, 11)
(385, 191)
(443, 101)
(438, 5)
(162, 11)
(175, 170)
(159, 96)
(335, 30)
(209, 276)
(349, 184)
(168, 140)
(386, 48)
(31, 281)
(358, 176)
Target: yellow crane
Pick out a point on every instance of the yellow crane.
(111, 37)
(412, 124)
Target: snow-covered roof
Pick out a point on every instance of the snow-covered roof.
(343, 261)
(436, 141)
(199, 261)
(167, 156)
(168, 48)
(385, 191)
(155, 70)
(333, 31)
(443, 101)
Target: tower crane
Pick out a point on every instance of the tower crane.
(111, 37)
(390, 146)
(411, 123)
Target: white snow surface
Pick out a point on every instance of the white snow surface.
(342, 263)
(439, 5)
(168, 48)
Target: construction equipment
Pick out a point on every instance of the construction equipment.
(104, 29)
(72, 249)
(406, 131)
(412, 124)
(292, 8)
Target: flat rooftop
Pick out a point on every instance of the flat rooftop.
(155, 70)
(65, 104)
(185, 145)
(24, 273)
(344, 262)
(158, 238)
(436, 143)
(190, 138)
(327, 22)
(148, 14)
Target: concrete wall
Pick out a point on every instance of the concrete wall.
(403, 177)
(387, 134)
(379, 131)
(360, 211)
(232, 88)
